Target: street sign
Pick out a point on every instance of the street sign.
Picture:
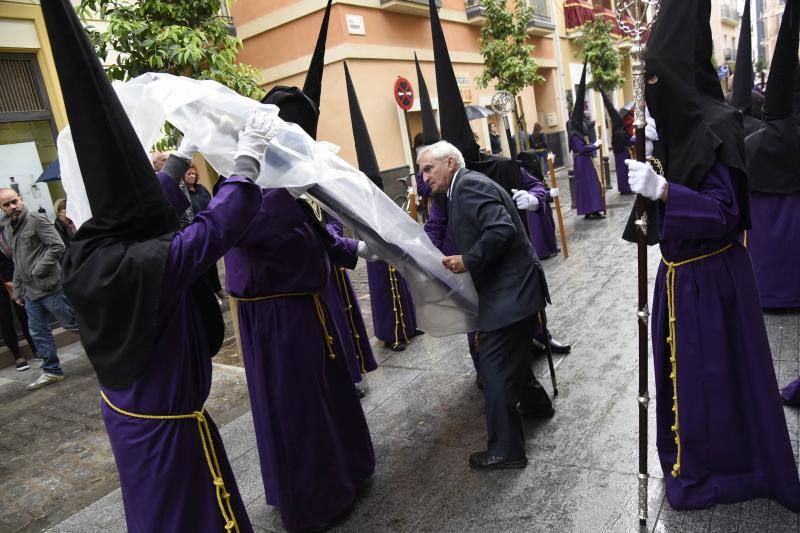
(403, 93)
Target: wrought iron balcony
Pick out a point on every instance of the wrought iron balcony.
(408, 7)
(476, 13)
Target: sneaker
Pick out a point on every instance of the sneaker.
(22, 366)
(45, 379)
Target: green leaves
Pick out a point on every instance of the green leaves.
(507, 59)
(600, 52)
(181, 37)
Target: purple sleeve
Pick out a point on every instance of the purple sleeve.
(534, 187)
(334, 227)
(423, 189)
(580, 147)
(710, 212)
(213, 232)
(342, 252)
(173, 192)
(436, 225)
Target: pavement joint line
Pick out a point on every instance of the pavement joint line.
(393, 395)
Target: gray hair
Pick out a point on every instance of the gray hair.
(442, 150)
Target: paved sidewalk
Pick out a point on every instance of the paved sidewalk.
(426, 417)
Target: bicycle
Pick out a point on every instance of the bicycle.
(408, 202)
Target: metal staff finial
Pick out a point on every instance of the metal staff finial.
(635, 19)
(503, 104)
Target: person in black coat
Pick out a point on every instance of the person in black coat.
(8, 307)
(64, 226)
(496, 252)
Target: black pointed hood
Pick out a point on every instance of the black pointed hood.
(367, 162)
(119, 255)
(620, 139)
(743, 78)
(779, 97)
(313, 83)
(430, 131)
(696, 126)
(575, 124)
(772, 151)
(453, 116)
(123, 192)
(295, 107)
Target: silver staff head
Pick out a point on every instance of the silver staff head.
(502, 103)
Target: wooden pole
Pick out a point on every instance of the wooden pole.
(551, 164)
(603, 180)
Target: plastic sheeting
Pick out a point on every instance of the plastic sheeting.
(211, 117)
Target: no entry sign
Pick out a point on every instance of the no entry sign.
(403, 93)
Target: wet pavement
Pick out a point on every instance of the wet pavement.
(426, 416)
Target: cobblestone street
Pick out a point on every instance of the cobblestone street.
(426, 416)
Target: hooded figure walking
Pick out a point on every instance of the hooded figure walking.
(588, 189)
(716, 445)
(149, 329)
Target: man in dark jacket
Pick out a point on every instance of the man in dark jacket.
(496, 252)
(37, 250)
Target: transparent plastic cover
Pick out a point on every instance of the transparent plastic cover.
(211, 117)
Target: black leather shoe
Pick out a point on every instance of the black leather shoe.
(484, 461)
(418, 332)
(559, 348)
(399, 347)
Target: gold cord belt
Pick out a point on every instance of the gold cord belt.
(341, 284)
(673, 345)
(223, 496)
(397, 307)
(319, 307)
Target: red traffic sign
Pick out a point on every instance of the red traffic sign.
(403, 93)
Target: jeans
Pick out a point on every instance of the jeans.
(39, 310)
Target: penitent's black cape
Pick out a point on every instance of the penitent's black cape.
(696, 126)
(114, 268)
(772, 151)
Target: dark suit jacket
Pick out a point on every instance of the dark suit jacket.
(489, 234)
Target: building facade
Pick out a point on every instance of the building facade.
(378, 39)
(31, 108)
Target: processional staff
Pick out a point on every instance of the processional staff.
(635, 19)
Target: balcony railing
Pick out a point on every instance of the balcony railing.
(729, 13)
(410, 7)
(541, 19)
(475, 9)
(729, 54)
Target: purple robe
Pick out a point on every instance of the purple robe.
(393, 316)
(622, 172)
(164, 476)
(541, 225)
(313, 442)
(588, 193)
(774, 245)
(791, 393)
(734, 440)
(345, 310)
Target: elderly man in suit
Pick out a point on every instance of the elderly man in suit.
(496, 252)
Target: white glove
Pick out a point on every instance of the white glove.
(186, 150)
(644, 180)
(650, 135)
(363, 251)
(598, 143)
(525, 200)
(261, 127)
(554, 192)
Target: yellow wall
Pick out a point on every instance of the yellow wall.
(13, 14)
